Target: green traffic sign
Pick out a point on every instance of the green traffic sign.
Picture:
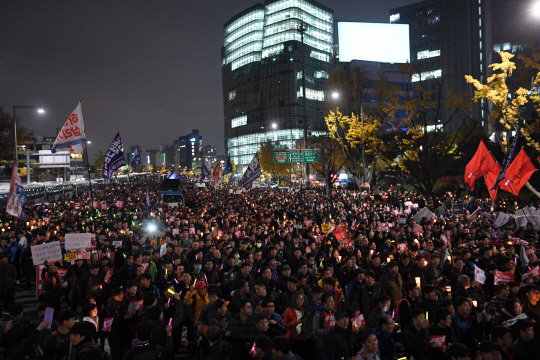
(277, 146)
(295, 157)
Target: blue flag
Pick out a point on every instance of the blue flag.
(204, 172)
(136, 158)
(228, 167)
(252, 173)
(114, 158)
(507, 159)
(147, 199)
(173, 175)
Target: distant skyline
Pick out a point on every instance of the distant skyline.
(150, 70)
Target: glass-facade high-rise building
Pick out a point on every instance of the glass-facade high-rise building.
(262, 74)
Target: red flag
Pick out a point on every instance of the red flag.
(490, 178)
(518, 173)
(480, 164)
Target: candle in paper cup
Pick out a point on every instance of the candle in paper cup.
(417, 279)
(475, 303)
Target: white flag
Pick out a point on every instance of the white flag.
(17, 196)
(72, 136)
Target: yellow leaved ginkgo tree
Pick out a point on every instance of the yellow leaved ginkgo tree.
(516, 109)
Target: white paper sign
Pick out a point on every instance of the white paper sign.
(479, 275)
(423, 213)
(46, 252)
(78, 241)
(502, 219)
(521, 221)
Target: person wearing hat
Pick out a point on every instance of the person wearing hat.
(196, 298)
(339, 343)
(222, 314)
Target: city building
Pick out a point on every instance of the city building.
(451, 39)
(345, 95)
(187, 150)
(209, 155)
(262, 74)
(165, 156)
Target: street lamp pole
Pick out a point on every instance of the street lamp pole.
(40, 110)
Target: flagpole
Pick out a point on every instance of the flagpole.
(88, 168)
(87, 163)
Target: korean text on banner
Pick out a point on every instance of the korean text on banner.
(71, 136)
(502, 277)
(502, 219)
(46, 252)
(78, 241)
(479, 275)
(436, 341)
(358, 322)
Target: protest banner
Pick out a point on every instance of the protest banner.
(175, 231)
(383, 227)
(145, 266)
(502, 277)
(534, 272)
(436, 341)
(117, 243)
(119, 203)
(346, 243)
(50, 252)
(78, 241)
(418, 230)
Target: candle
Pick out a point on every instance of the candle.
(475, 303)
(417, 279)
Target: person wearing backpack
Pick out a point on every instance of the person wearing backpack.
(407, 304)
(51, 347)
(144, 349)
(370, 346)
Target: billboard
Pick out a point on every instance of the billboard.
(388, 43)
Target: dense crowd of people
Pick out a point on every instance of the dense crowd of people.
(273, 274)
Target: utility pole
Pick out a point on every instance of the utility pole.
(302, 29)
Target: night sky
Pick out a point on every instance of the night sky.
(150, 69)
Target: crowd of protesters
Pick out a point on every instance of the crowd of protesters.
(271, 274)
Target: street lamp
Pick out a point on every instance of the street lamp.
(39, 110)
(88, 142)
(274, 125)
(335, 95)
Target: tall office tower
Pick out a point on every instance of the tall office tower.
(451, 39)
(262, 74)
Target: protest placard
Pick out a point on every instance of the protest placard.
(402, 247)
(501, 219)
(358, 322)
(78, 241)
(326, 228)
(50, 252)
(329, 320)
(479, 275)
(107, 323)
